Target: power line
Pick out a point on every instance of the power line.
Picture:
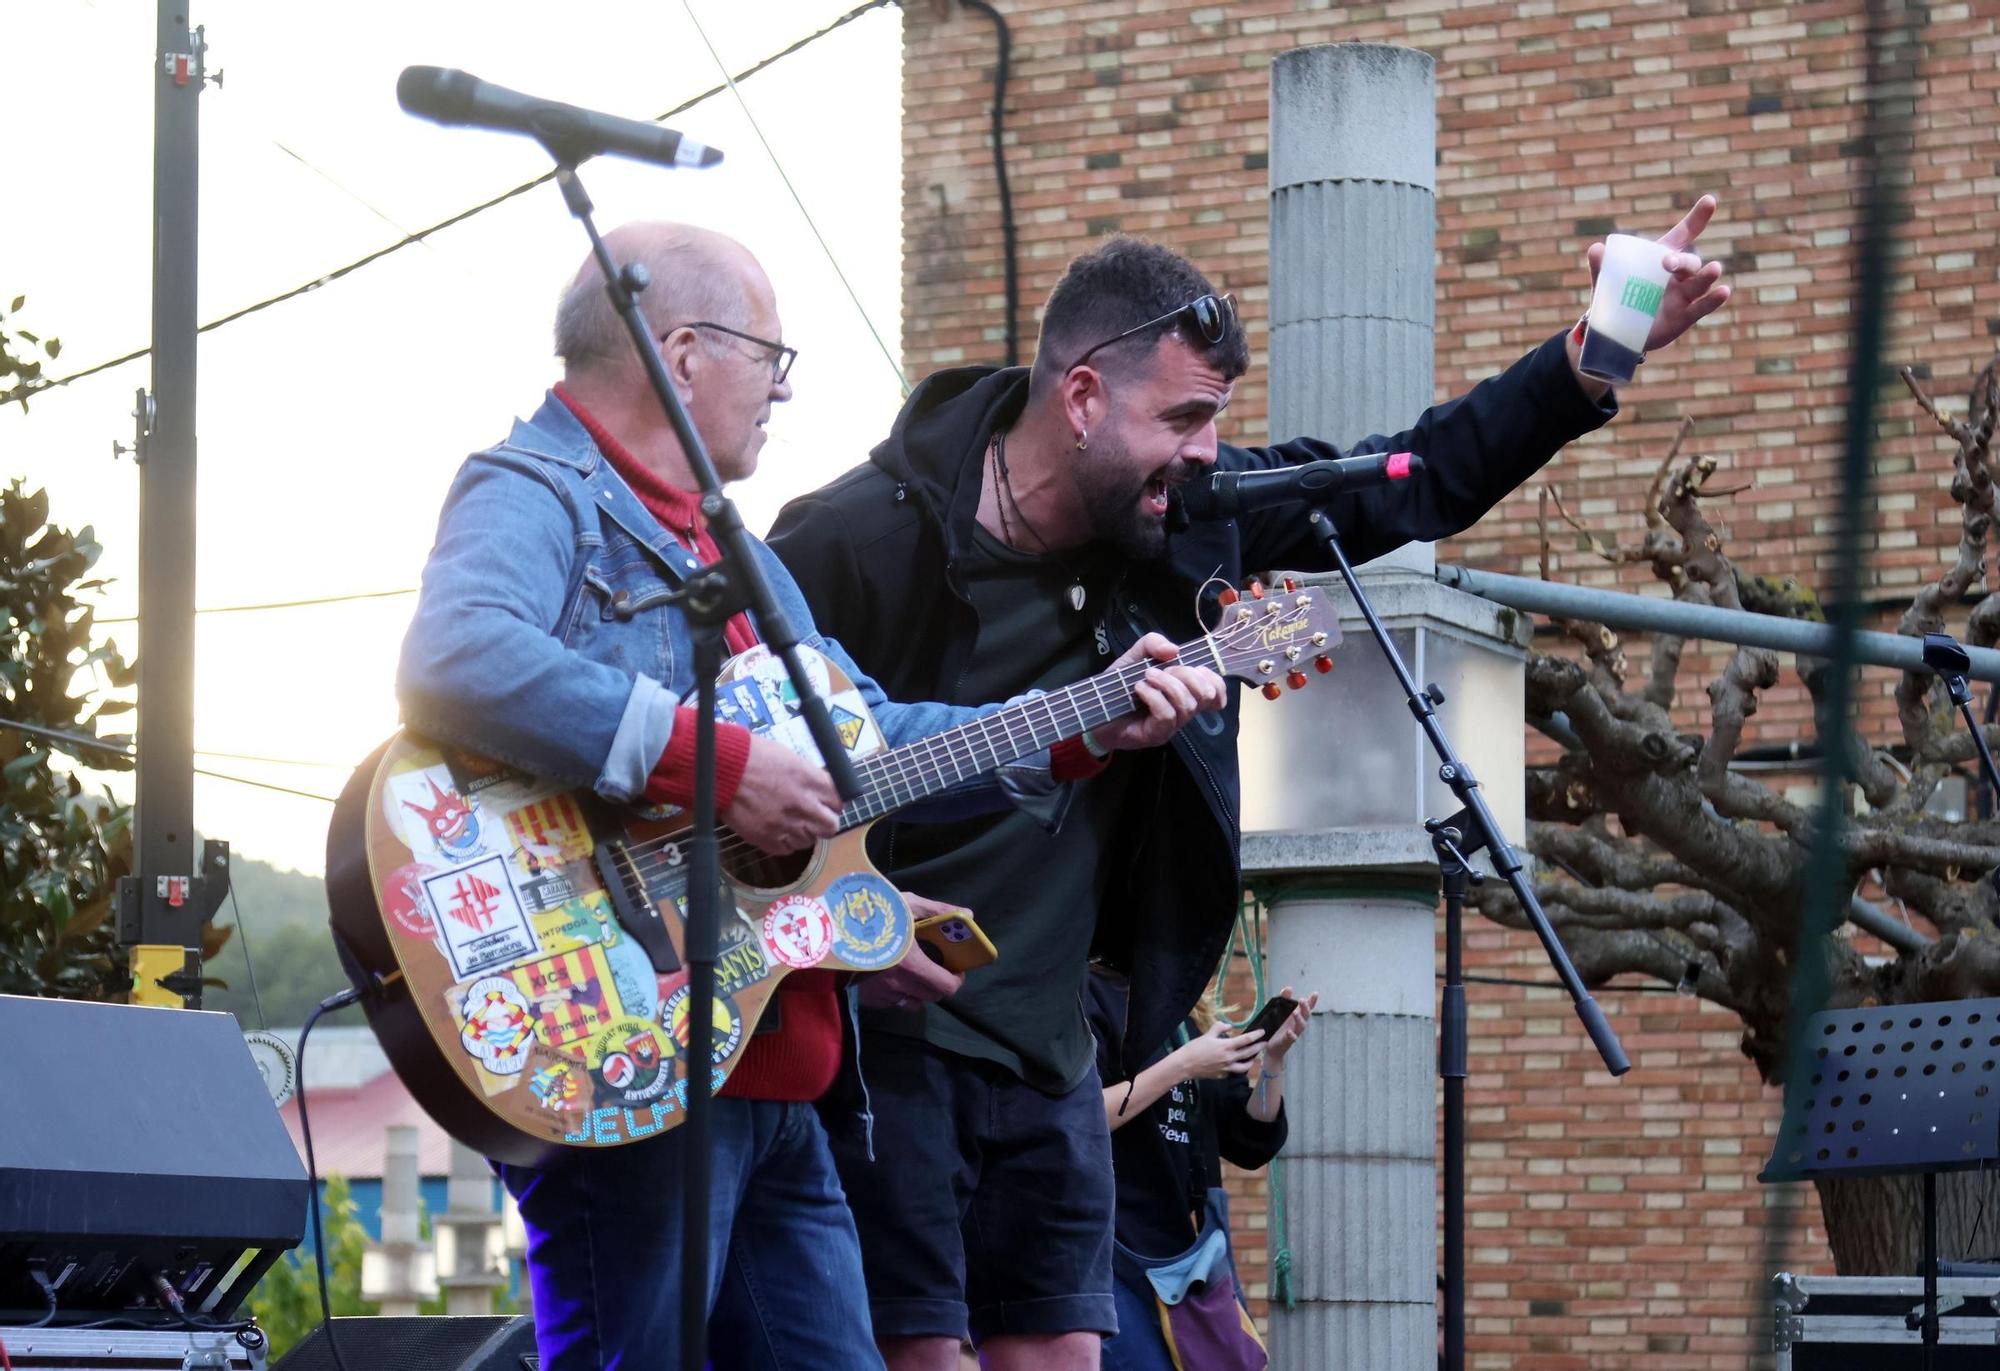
(282, 604)
(88, 743)
(20, 394)
(797, 199)
(266, 785)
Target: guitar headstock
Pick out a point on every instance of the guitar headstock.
(1269, 635)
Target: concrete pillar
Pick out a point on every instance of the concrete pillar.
(402, 1282)
(1353, 231)
(470, 1246)
(1334, 786)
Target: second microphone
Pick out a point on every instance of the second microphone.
(1227, 494)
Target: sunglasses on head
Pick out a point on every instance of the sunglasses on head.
(1207, 316)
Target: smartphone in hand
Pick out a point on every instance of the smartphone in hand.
(1272, 1016)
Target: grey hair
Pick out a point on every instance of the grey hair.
(695, 276)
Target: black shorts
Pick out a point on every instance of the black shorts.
(988, 1207)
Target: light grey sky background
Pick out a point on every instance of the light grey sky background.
(329, 426)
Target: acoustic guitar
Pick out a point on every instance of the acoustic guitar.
(525, 941)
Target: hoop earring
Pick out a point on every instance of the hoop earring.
(1083, 440)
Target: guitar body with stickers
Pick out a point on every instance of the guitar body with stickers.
(526, 941)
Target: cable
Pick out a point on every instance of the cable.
(777, 166)
(327, 1005)
(249, 966)
(1010, 247)
(276, 604)
(126, 750)
(267, 785)
(22, 393)
(48, 1287)
(82, 740)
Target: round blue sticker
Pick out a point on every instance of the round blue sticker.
(871, 924)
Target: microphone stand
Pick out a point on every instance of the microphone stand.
(712, 594)
(1455, 840)
(1944, 656)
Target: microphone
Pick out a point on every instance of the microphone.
(570, 132)
(1227, 494)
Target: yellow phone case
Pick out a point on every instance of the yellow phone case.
(957, 939)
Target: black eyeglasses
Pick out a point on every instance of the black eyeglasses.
(1210, 316)
(782, 357)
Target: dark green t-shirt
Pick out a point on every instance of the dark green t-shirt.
(1035, 893)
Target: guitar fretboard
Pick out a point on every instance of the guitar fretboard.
(916, 771)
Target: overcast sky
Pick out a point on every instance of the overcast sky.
(329, 426)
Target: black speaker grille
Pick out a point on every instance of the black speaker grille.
(419, 1344)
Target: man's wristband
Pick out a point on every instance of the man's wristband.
(1095, 748)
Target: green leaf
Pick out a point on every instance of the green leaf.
(53, 347)
(15, 308)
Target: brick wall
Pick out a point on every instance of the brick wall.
(1609, 1221)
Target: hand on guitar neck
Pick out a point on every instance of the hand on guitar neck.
(786, 804)
(1168, 697)
(783, 803)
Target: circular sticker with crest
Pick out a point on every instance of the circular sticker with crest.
(634, 1059)
(798, 930)
(499, 1026)
(871, 924)
(728, 1025)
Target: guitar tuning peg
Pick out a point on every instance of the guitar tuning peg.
(1295, 679)
(1322, 664)
(1290, 585)
(1272, 690)
(1256, 590)
(1227, 597)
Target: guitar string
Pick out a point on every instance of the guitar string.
(902, 775)
(920, 760)
(897, 776)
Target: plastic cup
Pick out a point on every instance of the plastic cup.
(1631, 286)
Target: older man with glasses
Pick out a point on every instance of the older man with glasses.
(548, 636)
(1011, 532)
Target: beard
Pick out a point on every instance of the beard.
(1113, 495)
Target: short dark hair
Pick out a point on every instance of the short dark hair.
(1119, 285)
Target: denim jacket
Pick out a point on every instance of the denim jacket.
(543, 638)
(543, 635)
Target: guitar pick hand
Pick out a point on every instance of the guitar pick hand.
(783, 803)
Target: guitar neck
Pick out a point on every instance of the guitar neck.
(915, 772)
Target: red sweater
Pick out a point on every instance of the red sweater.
(798, 1061)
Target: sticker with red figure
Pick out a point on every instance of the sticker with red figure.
(798, 930)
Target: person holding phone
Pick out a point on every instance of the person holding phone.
(1207, 1095)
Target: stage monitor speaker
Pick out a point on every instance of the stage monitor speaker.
(137, 1144)
(469, 1342)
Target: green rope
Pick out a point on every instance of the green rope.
(1249, 928)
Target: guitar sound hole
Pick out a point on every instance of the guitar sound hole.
(755, 870)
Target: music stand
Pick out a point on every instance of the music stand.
(1897, 1089)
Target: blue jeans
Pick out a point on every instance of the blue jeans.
(1138, 1345)
(785, 1286)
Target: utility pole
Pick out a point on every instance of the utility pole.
(164, 905)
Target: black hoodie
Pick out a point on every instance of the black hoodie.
(876, 552)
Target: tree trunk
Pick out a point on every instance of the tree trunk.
(1874, 1223)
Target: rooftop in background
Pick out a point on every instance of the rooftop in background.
(353, 1096)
